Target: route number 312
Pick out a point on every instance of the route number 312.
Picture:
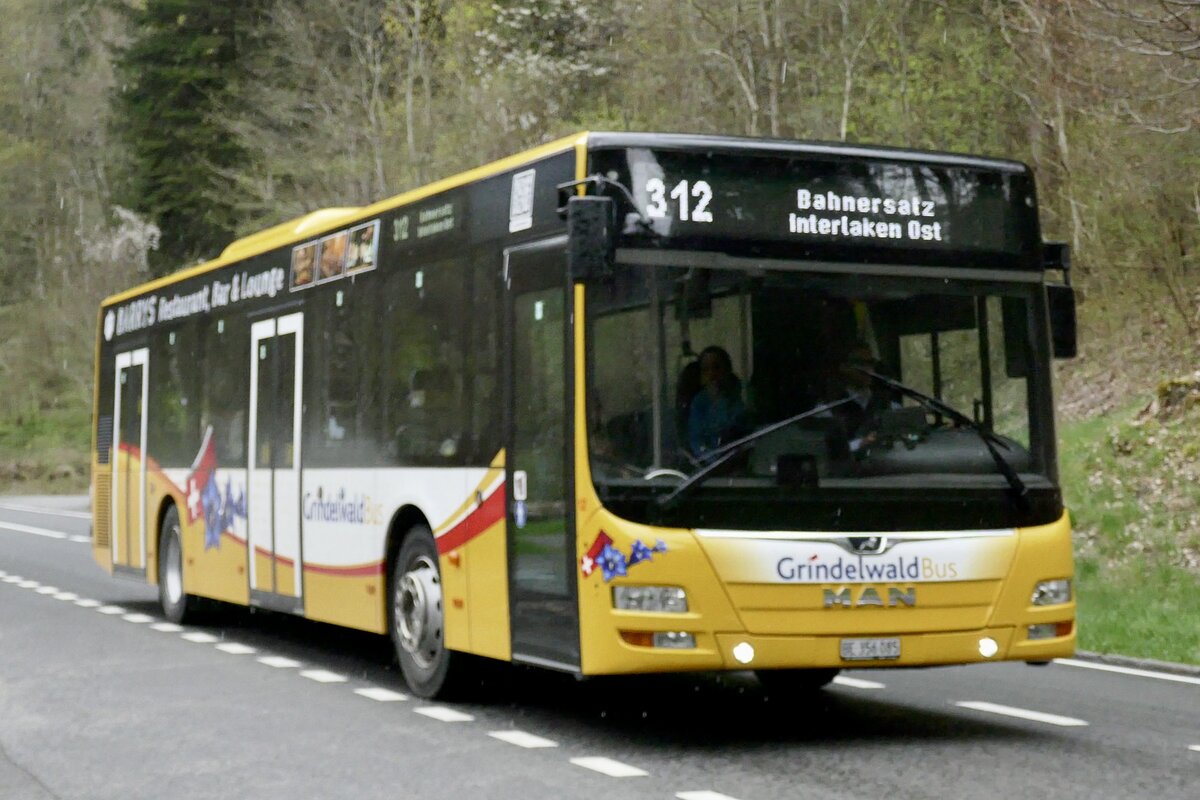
(683, 193)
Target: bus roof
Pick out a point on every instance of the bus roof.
(327, 219)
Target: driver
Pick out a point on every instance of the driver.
(717, 414)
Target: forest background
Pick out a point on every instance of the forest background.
(141, 136)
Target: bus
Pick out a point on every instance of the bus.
(623, 403)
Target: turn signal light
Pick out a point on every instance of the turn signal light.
(1050, 630)
(667, 640)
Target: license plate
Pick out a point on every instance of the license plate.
(870, 649)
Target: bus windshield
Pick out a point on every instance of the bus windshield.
(684, 360)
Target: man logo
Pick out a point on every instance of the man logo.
(870, 597)
(867, 545)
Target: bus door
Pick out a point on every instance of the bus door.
(273, 493)
(543, 607)
(129, 470)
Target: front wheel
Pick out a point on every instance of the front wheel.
(176, 604)
(795, 683)
(416, 620)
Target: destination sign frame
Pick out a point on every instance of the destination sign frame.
(826, 206)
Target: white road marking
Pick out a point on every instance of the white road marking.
(1141, 673)
(49, 534)
(13, 579)
(1195, 747)
(29, 584)
(522, 739)
(3, 574)
(138, 619)
(111, 610)
(50, 512)
(279, 662)
(857, 683)
(66, 596)
(236, 649)
(323, 676)
(47, 590)
(606, 766)
(80, 539)
(199, 638)
(167, 627)
(704, 795)
(382, 695)
(444, 714)
(1021, 713)
(87, 603)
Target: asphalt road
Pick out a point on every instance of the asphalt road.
(100, 699)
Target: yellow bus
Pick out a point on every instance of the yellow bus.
(622, 403)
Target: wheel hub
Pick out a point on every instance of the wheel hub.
(419, 612)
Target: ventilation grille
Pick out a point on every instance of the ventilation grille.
(102, 510)
(104, 433)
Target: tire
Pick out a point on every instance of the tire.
(795, 683)
(177, 605)
(416, 621)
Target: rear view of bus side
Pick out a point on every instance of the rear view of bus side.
(625, 403)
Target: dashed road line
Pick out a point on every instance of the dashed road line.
(522, 739)
(323, 676)
(609, 767)
(13, 579)
(167, 627)
(86, 602)
(1195, 747)
(1023, 713)
(47, 590)
(857, 683)
(138, 619)
(703, 795)
(27, 584)
(236, 648)
(111, 610)
(199, 638)
(381, 695)
(46, 532)
(66, 596)
(48, 511)
(443, 714)
(279, 662)
(1141, 673)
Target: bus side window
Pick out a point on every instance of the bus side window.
(226, 388)
(425, 374)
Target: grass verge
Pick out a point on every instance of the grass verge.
(1129, 479)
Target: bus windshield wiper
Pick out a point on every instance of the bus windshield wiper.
(989, 439)
(725, 452)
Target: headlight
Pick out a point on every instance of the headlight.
(1052, 593)
(669, 599)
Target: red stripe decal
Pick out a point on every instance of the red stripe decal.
(366, 570)
(485, 516)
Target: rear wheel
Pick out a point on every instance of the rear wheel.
(176, 604)
(795, 682)
(416, 620)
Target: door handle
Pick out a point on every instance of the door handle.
(520, 485)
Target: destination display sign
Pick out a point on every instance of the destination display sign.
(830, 206)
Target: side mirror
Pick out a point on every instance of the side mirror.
(591, 244)
(1061, 302)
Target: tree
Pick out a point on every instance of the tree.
(176, 76)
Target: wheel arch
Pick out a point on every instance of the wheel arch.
(165, 505)
(404, 520)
